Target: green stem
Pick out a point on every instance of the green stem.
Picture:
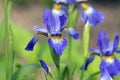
(72, 22)
(86, 37)
(8, 77)
(8, 41)
(58, 73)
(69, 50)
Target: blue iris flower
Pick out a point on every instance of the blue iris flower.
(93, 16)
(55, 24)
(110, 65)
(44, 66)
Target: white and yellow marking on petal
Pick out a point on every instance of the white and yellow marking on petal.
(57, 6)
(85, 6)
(109, 59)
(56, 39)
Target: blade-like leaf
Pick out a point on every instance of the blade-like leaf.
(20, 73)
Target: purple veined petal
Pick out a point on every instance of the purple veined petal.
(117, 51)
(58, 44)
(115, 43)
(112, 66)
(81, 0)
(44, 66)
(103, 41)
(49, 20)
(72, 32)
(113, 46)
(96, 51)
(105, 75)
(93, 16)
(60, 18)
(61, 1)
(63, 20)
(32, 43)
(88, 61)
(41, 29)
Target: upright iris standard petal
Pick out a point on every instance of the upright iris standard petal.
(63, 20)
(88, 61)
(72, 32)
(103, 41)
(115, 43)
(105, 75)
(58, 44)
(49, 20)
(32, 42)
(92, 15)
(44, 66)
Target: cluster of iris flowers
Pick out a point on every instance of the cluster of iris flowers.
(56, 21)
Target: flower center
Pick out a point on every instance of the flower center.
(85, 6)
(57, 6)
(109, 57)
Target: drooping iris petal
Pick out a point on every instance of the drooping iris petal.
(58, 44)
(103, 41)
(41, 29)
(105, 75)
(61, 1)
(112, 66)
(72, 32)
(96, 51)
(88, 61)
(117, 51)
(44, 66)
(69, 1)
(93, 16)
(31, 43)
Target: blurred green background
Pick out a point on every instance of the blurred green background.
(25, 14)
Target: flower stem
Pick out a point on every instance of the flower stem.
(86, 36)
(58, 73)
(8, 41)
(8, 77)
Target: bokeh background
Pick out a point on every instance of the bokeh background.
(25, 14)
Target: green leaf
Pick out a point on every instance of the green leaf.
(21, 73)
(73, 17)
(93, 75)
(116, 77)
(65, 73)
(55, 57)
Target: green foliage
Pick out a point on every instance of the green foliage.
(26, 72)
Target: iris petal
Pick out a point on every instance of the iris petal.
(93, 16)
(105, 75)
(103, 41)
(32, 42)
(41, 29)
(49, 20)
(44, 66)
(96, 51)
(88, 61)
(115, 43)
(112, 66)
(73, 33)
(58, 44)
